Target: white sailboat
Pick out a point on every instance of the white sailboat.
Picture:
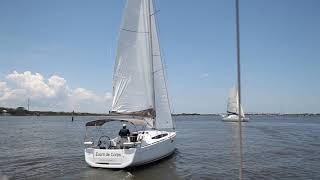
(233, 107)
(139, 96)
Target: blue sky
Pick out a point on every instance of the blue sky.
(76, 40)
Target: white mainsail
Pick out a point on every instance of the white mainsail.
(132, 78)
(233, 103)
(139, 75)
(163, 112)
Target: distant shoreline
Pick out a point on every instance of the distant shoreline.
(252, 114)
(20, 111)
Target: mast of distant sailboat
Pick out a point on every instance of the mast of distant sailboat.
(28, 104)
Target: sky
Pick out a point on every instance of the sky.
(60, 54)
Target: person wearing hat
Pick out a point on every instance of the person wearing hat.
(124, 132)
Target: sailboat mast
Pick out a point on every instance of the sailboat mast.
(28, 104)
(239, 90)
(151, 56)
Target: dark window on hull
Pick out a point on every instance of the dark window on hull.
(160, 136)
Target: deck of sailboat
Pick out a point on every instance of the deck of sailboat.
(152, 146)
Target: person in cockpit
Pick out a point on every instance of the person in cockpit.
(124, 132)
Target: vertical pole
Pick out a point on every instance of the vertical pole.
(28, 104)
(151, 56)
(239, 91)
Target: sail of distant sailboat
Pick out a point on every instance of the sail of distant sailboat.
(233, 107)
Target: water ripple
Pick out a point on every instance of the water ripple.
(274, 148)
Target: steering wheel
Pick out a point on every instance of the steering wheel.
(104, 142)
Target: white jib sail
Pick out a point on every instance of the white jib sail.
(233, 102)
(132, 78)
(232, 106)
(163, 112)
(241, 112)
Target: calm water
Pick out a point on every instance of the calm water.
(276, 147)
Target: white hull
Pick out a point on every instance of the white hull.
(149, 150)
(234, 118)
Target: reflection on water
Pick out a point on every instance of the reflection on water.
(275, 147)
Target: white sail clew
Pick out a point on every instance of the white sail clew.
(232, 107)
(132, 78)
(163, 112)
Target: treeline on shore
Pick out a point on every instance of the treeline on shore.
(21, 111)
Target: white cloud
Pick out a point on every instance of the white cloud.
(49, 94)
(83, 94)
(108, 96)
(3, 87)
(33, 83)
(204, 75)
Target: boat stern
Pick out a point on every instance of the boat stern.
(109, 158)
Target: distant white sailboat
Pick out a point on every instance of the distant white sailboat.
(232, 107)
(139, 96)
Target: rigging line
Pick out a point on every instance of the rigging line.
(132, 31)
(151, 55)
(155, 12)
(157, 71)
(239, 90)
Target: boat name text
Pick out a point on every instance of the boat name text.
(108, 154)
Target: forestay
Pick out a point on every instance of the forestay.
(132, 78)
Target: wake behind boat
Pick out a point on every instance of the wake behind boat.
(140, 97)
(232, 108)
